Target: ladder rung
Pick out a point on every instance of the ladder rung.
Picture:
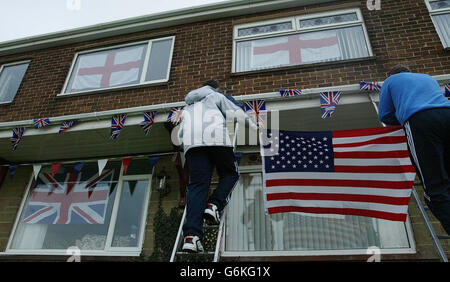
(443, 236)
(187, 253)
(210, 226)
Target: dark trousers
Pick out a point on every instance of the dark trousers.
(428, 134)
(201, 162)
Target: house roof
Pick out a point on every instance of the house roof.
(149, 22)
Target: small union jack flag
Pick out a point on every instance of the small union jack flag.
(149, 119)
(175, 115)
(447, 91)
(256, 108)
(67, 125)
(41, 122)
(328, 102)
(17, 136)
(117, 124)
(290, 92)
(369, 86)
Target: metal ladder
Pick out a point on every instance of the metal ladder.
(208, 230)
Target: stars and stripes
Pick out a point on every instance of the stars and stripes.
(66, 125)
(369, 86)
(364, 172)
(256, 109)
(41, 122)
(117, 124)
(17, 136)
(290, 92)
(49, 202)
(149, 119)
(328, 102)
(175, 115)
(447, 91)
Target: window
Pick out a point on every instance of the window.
(99, 214)
(300, 40)
(251, 232)
(440, 14)
(121, 66)
(11, 76)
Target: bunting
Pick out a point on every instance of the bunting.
(290, 92)
(41, 122)
(77, 167)
(66, 125)
(152, 161)
(12, 170)
(36, 170)
(126, 163)
(175, 115)
(54, 168)
(369, 86)
(17, 136)
(257, 109)
(117, 124)
(447, 91)
(149, 119)
(329, 101)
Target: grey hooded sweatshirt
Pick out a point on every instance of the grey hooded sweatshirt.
(206, 115)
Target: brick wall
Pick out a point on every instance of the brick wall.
(401, 32)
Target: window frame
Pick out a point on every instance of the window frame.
(437, 12)
(2, 67)
(142, 81)
(109, 250)
(297, 30)
(383, 251)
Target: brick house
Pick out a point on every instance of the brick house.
(64, 76)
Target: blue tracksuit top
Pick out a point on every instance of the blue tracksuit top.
(405, 94)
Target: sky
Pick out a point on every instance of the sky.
(24, 18)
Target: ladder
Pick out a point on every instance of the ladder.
(211, 248)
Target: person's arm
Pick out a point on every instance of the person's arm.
(386, 108)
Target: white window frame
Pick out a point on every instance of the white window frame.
(297, 30)
(109, 250)
(384, 251)
(142, 81)
(2, 67)
(435, 13)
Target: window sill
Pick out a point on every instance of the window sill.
(65, 253)
(112, 89)
(5, 103)
(305, 66)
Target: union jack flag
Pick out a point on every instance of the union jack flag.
(117, 124)
(41, 122)
(329, 101)
(290, 92)
(149, 119)
(51, 203)
(257, 109)
(369, 86)
(17, 136)
(447, 91)
(67, 125)
(175, 115)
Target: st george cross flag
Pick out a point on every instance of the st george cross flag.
(369, 86)
(257, 110)
(66, 125)
(17, 136)
(41, 122)
(76, 207)
(175, 115)
(363, 172)
(447, 90)
(117, 124)
(290, 92)
(149, 119)
(328, 102)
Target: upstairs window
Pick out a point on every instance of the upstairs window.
(11, 76)
(440, 15)
(121, 66)
(308, 39)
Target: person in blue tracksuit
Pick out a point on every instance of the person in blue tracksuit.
(416, 102)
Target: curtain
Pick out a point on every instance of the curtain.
(443, 28)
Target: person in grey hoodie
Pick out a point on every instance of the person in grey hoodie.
(207, 144)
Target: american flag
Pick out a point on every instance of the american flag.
(41, 122)
(175, 115)
(364, 172)
(447, 90)
(17, 136)
(50, 201)
(257, 109)
(290, 92)
(369, 86)
(149, 119)
(328, 102)
(117, 124)
(67, 125)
